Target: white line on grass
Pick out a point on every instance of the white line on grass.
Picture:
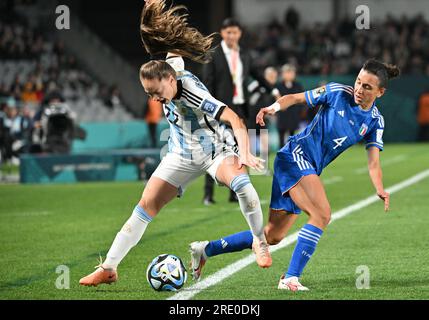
(332, 180)
(385, 163)
(228, 271)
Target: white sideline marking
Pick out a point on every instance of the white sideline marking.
(228, 271)
(28, 214)
(332, 180)
(384, 163)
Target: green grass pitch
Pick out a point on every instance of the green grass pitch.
(43, 227)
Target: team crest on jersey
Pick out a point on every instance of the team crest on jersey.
(318, 92)
(208, 107)
(363, 129)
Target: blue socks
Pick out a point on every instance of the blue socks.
(308, 238)
(235, 242)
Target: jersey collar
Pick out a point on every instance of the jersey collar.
(179, 90)
(370, 109)
(354, 104)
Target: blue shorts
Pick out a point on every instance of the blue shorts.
(290, 166)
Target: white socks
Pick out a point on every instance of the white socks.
(127, 238)
(250, 205)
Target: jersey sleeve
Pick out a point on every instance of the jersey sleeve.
(326, 93)
(197, 96)
(317, 97)
(374, 138)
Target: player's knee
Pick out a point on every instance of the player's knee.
(325, 216)
(321, 215)
(239, 184)
(150, 205)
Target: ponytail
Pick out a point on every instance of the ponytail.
(383, 71)
(164, 31)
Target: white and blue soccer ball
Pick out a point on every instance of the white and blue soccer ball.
(166, 273)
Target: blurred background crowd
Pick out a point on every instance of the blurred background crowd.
(44, 75)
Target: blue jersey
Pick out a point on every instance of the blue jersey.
(339, 124)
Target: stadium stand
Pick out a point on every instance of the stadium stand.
(340, 48)
(33, 66)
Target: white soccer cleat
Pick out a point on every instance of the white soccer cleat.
(198, 258)
(291, 284)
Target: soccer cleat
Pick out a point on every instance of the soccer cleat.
(291, 284)
(99, 276)
(262, 252)
(198, 258)
(209, 201)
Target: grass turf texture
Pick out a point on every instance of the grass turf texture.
(42, 227)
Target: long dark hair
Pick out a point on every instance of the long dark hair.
(383, 71)
(165, 31)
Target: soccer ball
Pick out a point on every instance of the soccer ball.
(166, 273)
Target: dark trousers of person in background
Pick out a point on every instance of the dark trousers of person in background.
(152, 131)
(424, 132)
(282, 136)
(243, 112)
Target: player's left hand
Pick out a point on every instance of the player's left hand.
(252, 162)
(385, 196)
(262, 113)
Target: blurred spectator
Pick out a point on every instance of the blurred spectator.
(423, 116)
(226, 78)
(16, 131)
(288, 120)
(260, 97)
(292, 19)
(339, 48)
(113, 98)
(3, 131)
(55, 129)
(29, 94)
(34, 65)
(153, 116)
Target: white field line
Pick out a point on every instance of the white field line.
(332, 180)
(27, 214)
(228, 271)
(384, 163)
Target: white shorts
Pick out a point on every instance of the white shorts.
(179, 171)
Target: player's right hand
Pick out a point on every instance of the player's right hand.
(385, 196)
(262, 113)
(252, 162)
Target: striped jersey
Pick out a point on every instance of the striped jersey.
(193, 115)
(339, 124)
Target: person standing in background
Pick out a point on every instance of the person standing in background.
(423, 116)
(288, 121)
(153, 117)
(260, 97)
(227, 77)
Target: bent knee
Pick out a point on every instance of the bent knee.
(150, 205)
(324, 216)
(239, 184)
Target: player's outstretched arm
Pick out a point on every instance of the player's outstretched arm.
(282, 104)
(240, 133)
(376, 175)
